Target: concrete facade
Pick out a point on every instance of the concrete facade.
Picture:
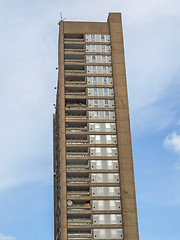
(94, 191)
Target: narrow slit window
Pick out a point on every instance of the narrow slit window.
(94, 69)
(105, 92)
(107, 114)
(96, 114)
(95, 90)
(96, 102)
(106, 103)
(92, 37)
(95, 80)
(93, 58)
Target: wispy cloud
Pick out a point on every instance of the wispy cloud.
(5, 237)
(172, 142)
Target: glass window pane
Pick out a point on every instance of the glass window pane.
(94, 80)
(95, 91)
(105, 91)
(96, 114)
(108, 125)
(107, 114)
(97, 125)
(98, 137)
(105, 81)
(96, 101)
(106, 102)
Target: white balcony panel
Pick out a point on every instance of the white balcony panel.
(99, 81)
(102, 127)
(98, 59)
(106, 191)
(99, 69)
(102, 115)
(103, 152)
(103, 139)
(106, 205)
(104, 164)
(98, 48)
(105, 177)
(101, 92)
(105, 233)
(107, 219)
(97, 37)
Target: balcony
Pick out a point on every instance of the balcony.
(75, 80)
(78, 190)
(79, 219)
(78, 164)
(77, 46)
(82, 204)
(77, 177)
(77, 137)
(76, 114)
(74, 58)
(74, 69)
(75, 90)
(76, 103)
(76, 127)
(79, 233)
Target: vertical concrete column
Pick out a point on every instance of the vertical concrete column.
(128, 198)
(61, 106)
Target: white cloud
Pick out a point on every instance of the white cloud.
(5, 237)
(172, 141)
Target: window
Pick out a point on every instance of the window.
(103, 48)
(108, 139)
(110, 164)
(95, 91)
(98, 151)
(112, 204)
(98, 139)
(111, 189)
(106, 114)
(101, 218)
(93, 48)
(105, 81)
(103, 59)
(102, 37)
(96, 102)
(97, 126)
(93, 58)
(108, 125)
(106, 103)
(110, 177)
(98, 164)
(101, 204)
(104, 69)
(113, 217)
(105, 92)
(96, 114)
(92, 37)
(95, 80)
(109, 151)
(94, 69)
(100, 190)
(102, 233)
(114, 233)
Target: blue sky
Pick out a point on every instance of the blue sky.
(28, 58)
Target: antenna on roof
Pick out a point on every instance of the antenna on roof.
(62, 19)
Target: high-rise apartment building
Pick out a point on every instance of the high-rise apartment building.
(94, 192)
